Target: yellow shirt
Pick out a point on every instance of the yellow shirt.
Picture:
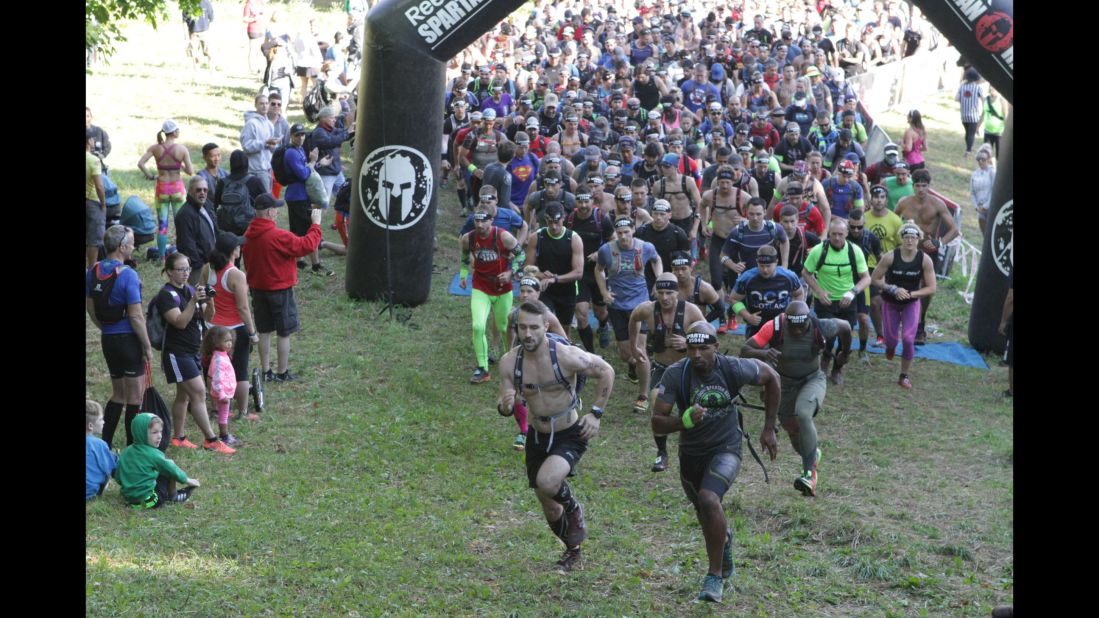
(93, 167)
(887, 229)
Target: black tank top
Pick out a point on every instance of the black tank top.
(555, 255)
(590, 231)
(905, 275)
(659, 331)
(766, 186)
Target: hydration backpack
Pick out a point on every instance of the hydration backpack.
(235, 211)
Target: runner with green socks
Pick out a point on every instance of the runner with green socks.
(492, 250)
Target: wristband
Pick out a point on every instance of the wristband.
(251, 334)
(738, 307)
(687, 422)
(472, 168)
(463, 272)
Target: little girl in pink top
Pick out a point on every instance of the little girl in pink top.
(217, 348)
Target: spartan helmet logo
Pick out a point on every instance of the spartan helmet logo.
(395, 186)
(1002, 237)
(397, 179)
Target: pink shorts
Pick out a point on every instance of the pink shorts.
(168, 189)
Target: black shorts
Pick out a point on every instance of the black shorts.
(275, 311)
(242, 347)
(685, 224)
(124, 355)
(566, 443)
(861, 306)
(305, 72)
(589, 293)
(715, 472)
(620, 320)
(181, 367)
(564, 306)
(160, 495)
(656, 373)
(300, 213)
(849, 313)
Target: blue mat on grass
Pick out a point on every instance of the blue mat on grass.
(947, 352)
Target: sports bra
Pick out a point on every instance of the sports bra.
(166, 155)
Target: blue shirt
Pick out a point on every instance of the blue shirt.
(99, 463)
(770, 296)
(842, 197)
(127, 291)
(628, 283)
(211, 182)
(295, 163)
(505, 219)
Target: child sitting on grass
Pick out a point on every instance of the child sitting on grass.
(99, 461)
(217, 346)
(148, 478)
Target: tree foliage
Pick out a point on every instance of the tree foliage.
(102, 19)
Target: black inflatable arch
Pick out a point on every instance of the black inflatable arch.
(398, 145)
(984, 32)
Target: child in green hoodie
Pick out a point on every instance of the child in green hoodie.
(147, 478)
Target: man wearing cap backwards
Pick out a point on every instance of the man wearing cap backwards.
(792, 149)
(666, 320)
(534, 208)
(764, 291)
(801, 111)
(559, 255)
(269, 265)
(682, 193)
(665, 237)
(703, 387)
(587, 222)
(492, 249)
(904, 275)
(543, 373)
(934, 218)
(620, 275)
(793, 343)
(836, 272)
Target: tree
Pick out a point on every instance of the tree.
(102, 19)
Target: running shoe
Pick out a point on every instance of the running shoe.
(641, 406)
(520, 443)
(661, 463)
(807, 483)
(285, 376)
(183, 494)
(183, 443)
(711, 589)
(480, 376)
(301, 264)
(219, 446)
(728, 569)
(905, 382)
(569, 560)
(605, 336)
(269, 376)
(321, 269)
(631, 374)
(732, 324)
(723, 328)
(880, 341)
(577, 532)
(230, 440)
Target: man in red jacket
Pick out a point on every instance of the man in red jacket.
(270, 259)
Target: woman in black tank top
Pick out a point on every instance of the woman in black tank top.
(904, 275)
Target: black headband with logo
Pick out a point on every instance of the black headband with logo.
(701, 339)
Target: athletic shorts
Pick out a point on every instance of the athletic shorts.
(620, 320)
(589, 293)
(95, 224)
(275, 311)
(849, 313)
(242, 347)
(803, 392)
(159, 496)
(656, 373)
(715, 472)
(938, 257)
(181, 367)
(305, 71)
(300, 216)
(564, 307)
(862, 301)
(567, 443)
(124, 355)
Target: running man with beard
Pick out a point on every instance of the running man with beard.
(544, 374)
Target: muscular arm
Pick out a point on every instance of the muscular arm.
(704, 207)
(577, 261)
(929, 282)
(822, 203)
(506, 399)
(141, 163)
(641, 313)
(946, 218)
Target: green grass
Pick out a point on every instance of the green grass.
(383, 483)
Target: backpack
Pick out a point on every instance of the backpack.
(850, 258)
(818, 338)
(616, 258)
(683, 185)
(235, 211)
(314, 101)
(154, 325)
(110, 191)
(101, 294)
(595, 213)
(278, 166)
(343, 198)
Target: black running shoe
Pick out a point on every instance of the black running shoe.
(569, 560)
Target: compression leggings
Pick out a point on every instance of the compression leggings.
(479, 306)
(166, 205)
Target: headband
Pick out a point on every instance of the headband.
(480, 216)
(681, 261)
(667, 285)
(797, 319)
(766, 259)
(529, 281)
(701, 339)
(623, 222)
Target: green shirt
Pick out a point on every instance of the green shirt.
(92, 167)
(835, 276)
(886, 228)
(896, 192)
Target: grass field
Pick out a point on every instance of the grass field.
(382, 483)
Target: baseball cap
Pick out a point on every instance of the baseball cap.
(489, 114)
(169, 127)
(811, 71)
(532, 122)
(521, 138)
(847, 167)
(475, 116)
(592, 152)
(764, 159)
(297, 128)
(226, 242)
(757, 142)
(266, 200)
(793, 127)
(670, 159)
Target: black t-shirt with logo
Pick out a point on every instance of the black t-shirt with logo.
(180, 341)
(720, 430)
